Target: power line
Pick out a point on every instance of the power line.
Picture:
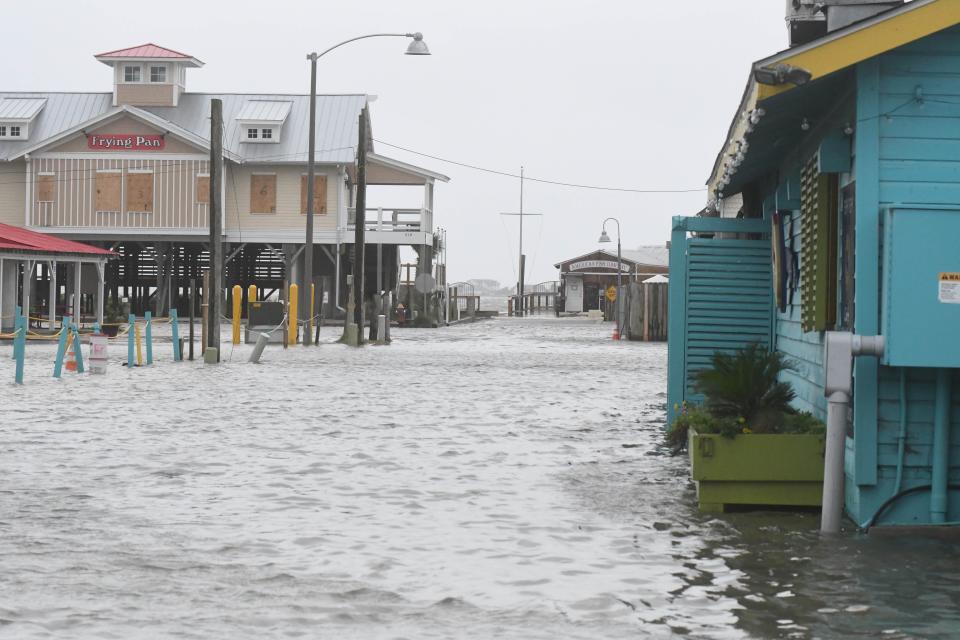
(559, 183)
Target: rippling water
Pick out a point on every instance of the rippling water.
(502, 479)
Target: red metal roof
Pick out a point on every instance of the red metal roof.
(148, 50)
(21, 239)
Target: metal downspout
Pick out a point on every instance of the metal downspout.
(941, 449)
(902, 437)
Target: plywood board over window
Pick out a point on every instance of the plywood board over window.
(140, 192)
(46, 187)
(108, 191)
(263, 193)
(319, 194)
(203, 188)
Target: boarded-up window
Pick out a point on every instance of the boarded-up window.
(319, 194)
(108, 191)
(263, 193)
(203, 189)
(140, 192)
(46, 187)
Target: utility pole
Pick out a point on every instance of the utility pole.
(519, 309)
(216, 230)
(311, 172)
(359, 235)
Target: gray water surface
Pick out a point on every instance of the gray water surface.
(497, 480)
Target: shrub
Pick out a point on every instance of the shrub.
(743, 394)
(745, 385)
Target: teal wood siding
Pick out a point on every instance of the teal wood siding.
(919, 163)
(805, 349)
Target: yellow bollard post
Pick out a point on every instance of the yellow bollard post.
(292, 319)
(136, 335)
(237, 295)
(252, 293)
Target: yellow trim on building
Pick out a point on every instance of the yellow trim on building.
(862, 44)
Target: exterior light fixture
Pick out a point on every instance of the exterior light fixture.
(805, 125)
(848, 129)
(604, 237)
(781, 74)
(417, 46)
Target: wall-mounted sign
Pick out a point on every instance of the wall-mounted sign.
(125, 142)
(949, 288)
(598, 264)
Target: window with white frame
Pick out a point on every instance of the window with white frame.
(158, 73)
(266, 134)
(251, 134)
(14, 131)
(3, 131)
(131, 73)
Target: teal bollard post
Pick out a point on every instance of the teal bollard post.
(77, 347)
(131, 356)
(61, 346)
(16, 319)
(20, 346)
(148, 317)
(175, 329)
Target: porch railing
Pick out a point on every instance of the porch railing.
(390, 219)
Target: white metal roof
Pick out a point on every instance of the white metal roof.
(21, 108)
(658, 256)
(264, 111)
(336, 134)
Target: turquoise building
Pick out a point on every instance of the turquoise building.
(835, 206)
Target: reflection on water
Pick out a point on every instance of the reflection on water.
(502, 479)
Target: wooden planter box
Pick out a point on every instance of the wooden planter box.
(756, 469)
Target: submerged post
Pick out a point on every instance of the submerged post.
(61, 346)
(148, 317)
(20, 324)
(262, 340)
(292, 322)
(77, 347)
(175, 332)
(235, 320)
(131, 336)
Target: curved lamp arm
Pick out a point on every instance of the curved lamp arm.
(415, 36)
(618, 225)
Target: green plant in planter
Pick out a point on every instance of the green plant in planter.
(746, 385)
(743, 394)
(113, 311)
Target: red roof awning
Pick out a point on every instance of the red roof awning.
(20, 239)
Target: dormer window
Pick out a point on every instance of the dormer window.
(262, 120)
(131, 73)
(14, 131)
(158, 73)
(16, 115)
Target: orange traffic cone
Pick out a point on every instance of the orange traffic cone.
(71, 357)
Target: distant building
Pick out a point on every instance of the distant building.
(128, 169)
(584, 279)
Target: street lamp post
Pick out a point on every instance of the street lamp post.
(417, 47)
(605, 238)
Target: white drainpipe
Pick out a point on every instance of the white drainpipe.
(838, 351)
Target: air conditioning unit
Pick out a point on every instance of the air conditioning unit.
(808, 20)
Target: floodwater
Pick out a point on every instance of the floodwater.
(503, 479)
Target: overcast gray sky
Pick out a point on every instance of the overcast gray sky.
(621, 93)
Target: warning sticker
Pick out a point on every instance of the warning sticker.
(949, 291)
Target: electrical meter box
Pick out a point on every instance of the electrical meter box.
(920, 308)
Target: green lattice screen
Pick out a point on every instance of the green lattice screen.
(818, 271)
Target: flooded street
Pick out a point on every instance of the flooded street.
(503, 479)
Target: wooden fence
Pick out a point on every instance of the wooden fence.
(646, 312)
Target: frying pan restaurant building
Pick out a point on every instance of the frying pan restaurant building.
(128, 170)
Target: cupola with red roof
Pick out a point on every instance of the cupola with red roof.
(148, 75)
